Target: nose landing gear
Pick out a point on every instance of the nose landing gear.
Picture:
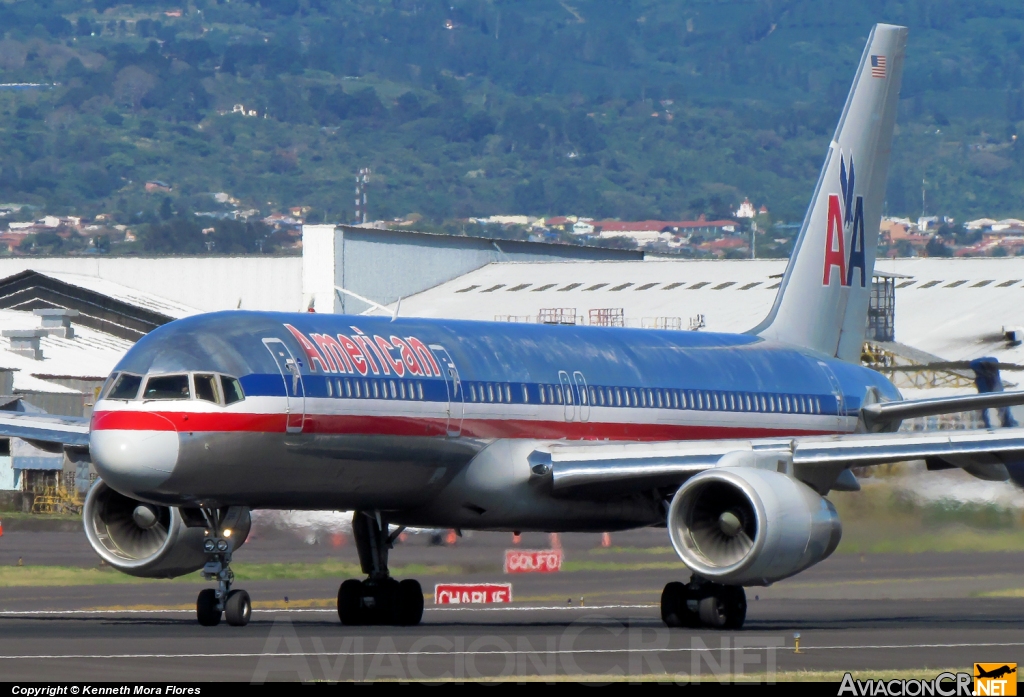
(379, 599)
(234, 605)
(701, 603)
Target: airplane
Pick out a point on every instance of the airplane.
(996, 673)
(730, 441)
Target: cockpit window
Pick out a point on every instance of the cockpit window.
(167, 387)
(232, 390)
(126, 386)
(206, 388)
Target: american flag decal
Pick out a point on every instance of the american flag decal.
(877, 66)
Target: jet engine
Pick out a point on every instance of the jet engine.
(750, 527)
(144, 539)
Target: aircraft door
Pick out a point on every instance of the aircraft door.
(294, 389)
(456, 401)
(584, 395)
(837, 391)
(568, 399)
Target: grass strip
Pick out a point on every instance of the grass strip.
(782, 676)
(951, 539)
(12, 576)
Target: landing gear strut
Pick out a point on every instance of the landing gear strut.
(379, 599)
(234, 605)
(701, 603)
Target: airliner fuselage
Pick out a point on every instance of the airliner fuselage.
(317, 411)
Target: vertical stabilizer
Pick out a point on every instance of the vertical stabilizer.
(823, 299)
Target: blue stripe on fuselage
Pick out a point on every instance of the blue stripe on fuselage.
(498, 352)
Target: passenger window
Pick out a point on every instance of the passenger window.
(508, 393)
(490, 392)
(348, 388)
(376, 390)
(126, 386)
(526, 395)
(401, 389)
(167, 387)
(543, 397)
(419, 389)
(558, 396)
(394, 389)
(472, 392)
(206, 388)
(232, 390)
(330, 387)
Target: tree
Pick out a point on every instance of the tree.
(132, 84)
(935, 248)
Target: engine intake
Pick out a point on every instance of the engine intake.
(144, 539)
(746, 526)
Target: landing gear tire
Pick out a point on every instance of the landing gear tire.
(350, 602)
(380, 602)
(207, 611)
(701, 604)
(408, 603)
(675, 610)
(238, 608)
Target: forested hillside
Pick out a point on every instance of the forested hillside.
(625, 109)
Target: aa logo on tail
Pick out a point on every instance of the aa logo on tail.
(843, 216)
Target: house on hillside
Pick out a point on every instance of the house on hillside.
(746, 209)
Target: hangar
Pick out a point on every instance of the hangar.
(67, 321)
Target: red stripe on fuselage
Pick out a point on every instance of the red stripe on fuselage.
(186, 421)
(425, 426)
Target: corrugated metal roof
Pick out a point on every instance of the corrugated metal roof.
(90, 354)
(123, 293)
(956, 323)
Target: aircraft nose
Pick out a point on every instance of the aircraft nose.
(136, 459)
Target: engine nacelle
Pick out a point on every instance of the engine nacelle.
(750, 527)
(144, 539)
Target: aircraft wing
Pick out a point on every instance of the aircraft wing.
(887, 412)
(47, 431)
(819, 461)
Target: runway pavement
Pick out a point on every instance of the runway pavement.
(872, 612)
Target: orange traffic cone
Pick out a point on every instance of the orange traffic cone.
(606, 540)
(452, 536)
(556, 542)
(1, 528)
(516, 538)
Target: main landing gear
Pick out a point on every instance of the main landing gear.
(379, 599)
(212, 603)
(701, 603)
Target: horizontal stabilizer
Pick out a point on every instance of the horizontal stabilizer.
(887, 412)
